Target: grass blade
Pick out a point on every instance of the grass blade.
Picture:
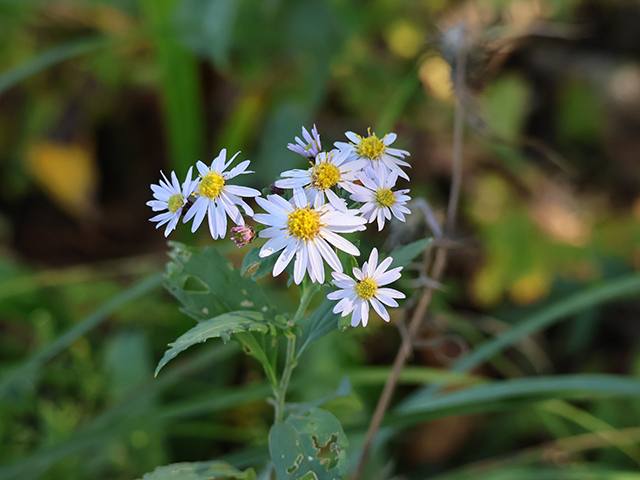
(23, 374)
(46, 59)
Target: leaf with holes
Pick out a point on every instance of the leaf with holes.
(208, 284)
(309, 447)
(222, 326)
(199, 471)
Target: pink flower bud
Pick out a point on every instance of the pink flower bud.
(242, 235)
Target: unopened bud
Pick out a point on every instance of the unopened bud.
(276, 190)
(242, 235)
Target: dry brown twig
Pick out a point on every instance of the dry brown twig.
(438, 265)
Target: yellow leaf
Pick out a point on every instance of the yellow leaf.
(67, 173)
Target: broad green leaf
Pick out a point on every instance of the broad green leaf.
(320, 322)
(199, 471)
(404, 254)
(222, 326)
(309, 447)
(497, 396)
(207, 284)
(258, 267)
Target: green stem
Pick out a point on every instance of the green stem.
(308, 291)
(291, 361)
(290, 364)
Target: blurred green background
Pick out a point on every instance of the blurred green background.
(97, 96)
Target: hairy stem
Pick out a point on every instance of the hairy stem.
(436, 272)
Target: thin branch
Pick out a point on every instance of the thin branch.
(436, 273)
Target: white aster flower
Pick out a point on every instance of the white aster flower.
(311, 145)
(355, 295)
(378, 198)
(377, 151)
(305, 232)
(334, 168)
(172, 197)
(216, 198)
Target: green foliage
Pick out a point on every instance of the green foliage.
(321, 322)
(49, 58)
(199, 471)
(258, 267)
(404, 254)
(508, 394)
(222, 326)
(207, 284)
(343, 390)
(310, 446)
(178, 69)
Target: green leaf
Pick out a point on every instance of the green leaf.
(343, 390)
(199, 471)
(264, 348)
(258, 267)
(207, 284)
(222, 326)
(320, 322)
(310, 447)
(404, 254)
(497, 396)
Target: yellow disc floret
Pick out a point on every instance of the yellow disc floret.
(371, 147)
(175, 202)
(304, 223)
(211, 185)
(325, 175)
(384, 198)
(366, 288)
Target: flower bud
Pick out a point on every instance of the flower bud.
(242, 235)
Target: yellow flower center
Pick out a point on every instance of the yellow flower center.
(366, 288)
(384, 198)
(304, 223)
(325, 175)
(371, 147)
(211, 185)
(175, 202)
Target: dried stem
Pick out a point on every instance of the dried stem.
(436, 272)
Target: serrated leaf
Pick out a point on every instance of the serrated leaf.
(258, 267)
(309, 447)
(199, 471)
(404, 254)
(222, 326)
(208, 284)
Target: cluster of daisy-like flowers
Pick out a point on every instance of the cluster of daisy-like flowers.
(308, 225)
